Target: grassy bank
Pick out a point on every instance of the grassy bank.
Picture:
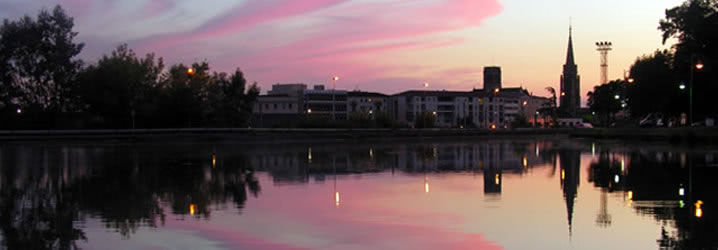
(673, 135)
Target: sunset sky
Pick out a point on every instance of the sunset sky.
(373, 45)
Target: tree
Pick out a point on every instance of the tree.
(654, 88)
(694, 24)
(121, 85)
(549, 109)
(607, 99)
(38, 61)
(520, 121)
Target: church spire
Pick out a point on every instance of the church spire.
(569, 55)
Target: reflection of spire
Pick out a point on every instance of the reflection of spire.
(570, 178)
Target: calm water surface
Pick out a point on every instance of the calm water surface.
(482, 194)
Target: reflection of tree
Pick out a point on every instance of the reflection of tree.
(35, 213)
(128, 188)
(654, 180)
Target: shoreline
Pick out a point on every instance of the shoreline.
(269, 135)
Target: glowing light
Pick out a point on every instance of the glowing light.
(19, 110)
(309, 155)
(371, 112)
(192, 209)
(682, 191)
(616, 97)
(525, 161)
(593, 149)
(190, 71)
(336, 198)
(309, 111)
(681, 204)
(616, 179)
(434, 113)
(563, 93)
(214, 160)
(426, 187)
(682, 86)
(699, 65)
(526, 103)
(699, 210)
(371, 153)
(497, 180)
(630, 195)
(631, 80)
(493, 126)
(336, 78)
(426, 85)
(496, 90)
(563, 174)
(537, 150)
(623, 165)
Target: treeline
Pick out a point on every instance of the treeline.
(662, 82)
(43, 85)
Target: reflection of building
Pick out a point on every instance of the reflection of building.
(570, 161)
(492, 180)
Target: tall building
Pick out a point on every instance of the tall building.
(492, 78)
(570, 99)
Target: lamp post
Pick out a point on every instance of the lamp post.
(424, 106)
(699, 66)
(334, 93)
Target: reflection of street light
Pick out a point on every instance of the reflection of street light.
(699, 210)
(192, 209)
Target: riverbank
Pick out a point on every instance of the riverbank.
(266, 135)
(254, 135)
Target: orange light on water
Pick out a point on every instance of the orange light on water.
(192, 209)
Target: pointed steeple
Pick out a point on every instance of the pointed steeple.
(569, 55)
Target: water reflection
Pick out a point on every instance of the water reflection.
(48, 191)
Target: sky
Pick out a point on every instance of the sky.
(373, 45)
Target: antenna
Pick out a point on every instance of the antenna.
(604, 48)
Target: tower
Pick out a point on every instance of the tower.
(604, 48)
(492, 78)
(570, 99)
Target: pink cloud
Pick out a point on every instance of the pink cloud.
(240, 18)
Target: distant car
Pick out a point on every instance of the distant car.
(652, 120)
(586, 125)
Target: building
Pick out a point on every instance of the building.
(330, 104)
(492, 77)
(282, 106)
(366, 102)
(570, 99)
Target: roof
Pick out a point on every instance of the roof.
(438, 93)
(366, 94)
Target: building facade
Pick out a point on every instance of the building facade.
(570, 95)
(492, 77)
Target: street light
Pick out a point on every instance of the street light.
(190, 71)
(19, 110)
(631, 80)
(334, 93)
(616, 97)
(424, 106)
(699, 66)
(682, 86)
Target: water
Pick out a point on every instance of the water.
(483, 194)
